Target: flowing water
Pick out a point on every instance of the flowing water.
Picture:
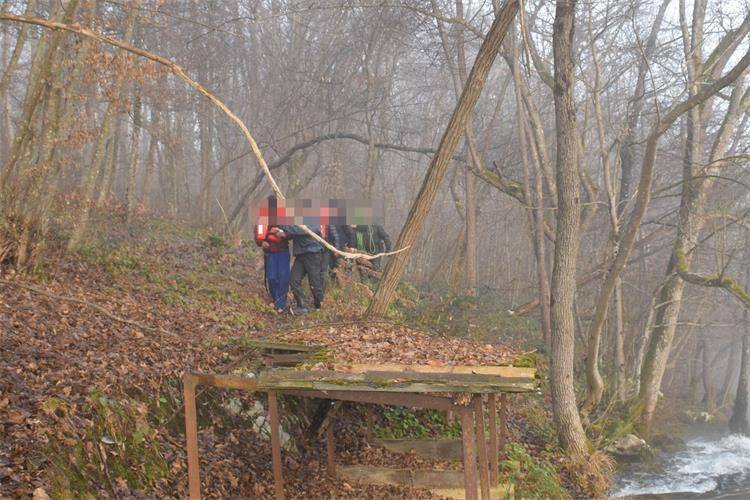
(715, 467)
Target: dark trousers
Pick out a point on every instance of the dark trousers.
(310, 265)
(277, 274)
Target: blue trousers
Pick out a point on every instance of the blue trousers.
(277, 276)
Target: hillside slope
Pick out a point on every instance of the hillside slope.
(92, 353)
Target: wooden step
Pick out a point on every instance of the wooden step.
(447, 483)
(502, 492)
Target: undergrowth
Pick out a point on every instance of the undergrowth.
(486, 317)
(399, 422)
(103, 442)
(531, 477)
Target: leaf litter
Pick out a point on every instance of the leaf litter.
(54, 352)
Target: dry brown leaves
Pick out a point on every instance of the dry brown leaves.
(60, 349)
(393, 343)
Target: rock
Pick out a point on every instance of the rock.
(628, 448)
(668, 443)
(261, 423)
(233, 407)
(256, 409)
(262, 426)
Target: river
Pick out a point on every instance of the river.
(708, 467)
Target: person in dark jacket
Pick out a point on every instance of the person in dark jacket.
(308, 261)
(341, 237)
(372, 239)
(273, 240)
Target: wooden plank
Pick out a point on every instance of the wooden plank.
(414, 478)
(315, 374)
(500, 371)
(266, 384)
(470, 454)
(484, 471)
(493, 444)
(225, 381)
(273, 415)
(500, 492)
(391, 381)
(447, 483)
(380, 398)
(375, 475)
(283, 346)
(293, 359)
(191, 436)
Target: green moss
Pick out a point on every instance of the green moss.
(528, 360)
(532, 477)
(115, 442)
(680, 259)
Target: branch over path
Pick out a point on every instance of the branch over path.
(180, 73)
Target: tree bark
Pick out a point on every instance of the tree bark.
(135, 150)
(153, 144)
(436, 171)
(567, 241)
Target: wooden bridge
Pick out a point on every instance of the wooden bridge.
(458, 389)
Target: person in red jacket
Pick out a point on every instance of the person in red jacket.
(273, 240)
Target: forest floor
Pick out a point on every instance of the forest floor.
(92, 348)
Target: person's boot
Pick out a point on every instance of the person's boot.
(299, 310)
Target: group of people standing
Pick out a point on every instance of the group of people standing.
(311, 258)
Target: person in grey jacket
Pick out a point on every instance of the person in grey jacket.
(308, 261)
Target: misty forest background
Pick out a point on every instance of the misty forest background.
(350, 99)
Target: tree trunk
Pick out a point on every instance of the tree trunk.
(109, 165)
(731, 374)
(569, 429)
(469, 181)
(135, 149)
(153, 144)
(694, 372)
(619, 355)
(436, 171)
(709, 394)
(738, 423)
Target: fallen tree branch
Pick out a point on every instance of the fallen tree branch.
(283, 159)
(86, 303)
(180, 73)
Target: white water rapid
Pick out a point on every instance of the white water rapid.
(706, 468)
